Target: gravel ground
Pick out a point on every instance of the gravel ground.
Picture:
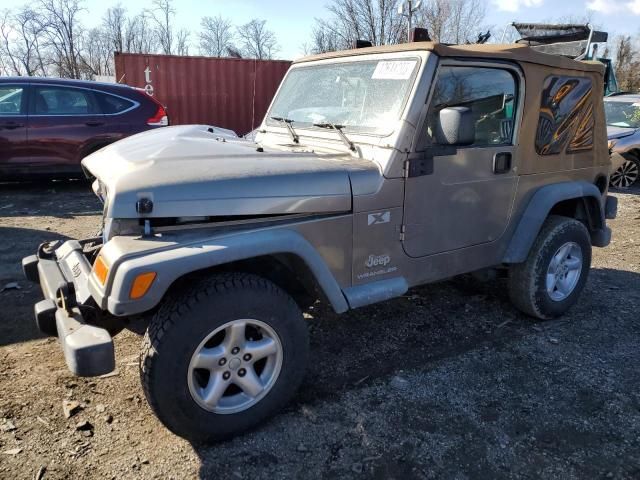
(449, 381)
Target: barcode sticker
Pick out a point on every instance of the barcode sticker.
(393, 70)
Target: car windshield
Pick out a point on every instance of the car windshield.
(622, 114)
(366, 96)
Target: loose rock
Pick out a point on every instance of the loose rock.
(84, 425)
(13, 451)
(7, 425)
(70, 408)
(399, 383)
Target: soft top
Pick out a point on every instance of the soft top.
(511, 51)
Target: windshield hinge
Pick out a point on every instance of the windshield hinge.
(402, 232)
(405, 169)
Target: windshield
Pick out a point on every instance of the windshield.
(366, 96)
(622, 114)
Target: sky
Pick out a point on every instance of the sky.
(292, 20)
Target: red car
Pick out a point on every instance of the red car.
(47, 126)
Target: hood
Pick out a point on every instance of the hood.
(613, 133)
(195, 170)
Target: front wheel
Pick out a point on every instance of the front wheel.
(221, 357)
(549, 282)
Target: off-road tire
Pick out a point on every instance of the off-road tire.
(527, 281)
(185, 319)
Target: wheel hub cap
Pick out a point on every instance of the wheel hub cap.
(235, 366)
(564, 271)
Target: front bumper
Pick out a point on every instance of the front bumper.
(63, 271)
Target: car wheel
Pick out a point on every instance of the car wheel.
(626, 175)
(549, 282)
(223, 356)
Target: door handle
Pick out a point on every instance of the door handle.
(502, 162)
(94, 123)
(11, 125)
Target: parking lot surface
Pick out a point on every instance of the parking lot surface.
(449, 381)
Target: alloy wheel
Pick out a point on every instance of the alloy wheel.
(564, 271)
(235, 366)
(626, 175)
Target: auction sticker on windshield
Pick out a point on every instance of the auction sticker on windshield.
(393, 70)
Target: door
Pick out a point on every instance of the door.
(457, 196)
(13, 126)
(63, 123)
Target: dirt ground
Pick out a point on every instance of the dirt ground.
(449, 381)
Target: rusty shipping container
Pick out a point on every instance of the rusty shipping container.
(231, 93)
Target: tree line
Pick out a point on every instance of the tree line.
(48, 38)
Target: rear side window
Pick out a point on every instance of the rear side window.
(10, 99)
(110, 104)
(490, 94)
(63, 101)
(565, 119)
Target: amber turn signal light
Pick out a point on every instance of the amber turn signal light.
(101, 270)
(141, 285)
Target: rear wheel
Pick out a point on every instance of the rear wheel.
(549, 282)
(627, 174)
(223, 356)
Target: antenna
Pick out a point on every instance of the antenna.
(407, 8)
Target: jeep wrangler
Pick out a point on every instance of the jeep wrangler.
(374, 170)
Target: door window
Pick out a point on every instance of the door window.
(490, 94)
(111, 104)
(63, 101)
(10, 99)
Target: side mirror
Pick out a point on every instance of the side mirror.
(455, 126)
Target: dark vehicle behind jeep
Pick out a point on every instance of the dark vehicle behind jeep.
(47, 126)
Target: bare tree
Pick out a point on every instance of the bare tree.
(139, 38)
(256, 41)
(182, 42)
(627, 63)
(350, 20)
(63, 33)
(21, 42)
(114, 23)
(452, 21)
(97, 53)
(216, 36)
(162, 15)
(325, 39)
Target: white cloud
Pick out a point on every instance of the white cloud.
(634, 6)
(608, 7)
(515, 5)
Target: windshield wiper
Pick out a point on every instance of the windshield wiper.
(338, 128)
(287, 123)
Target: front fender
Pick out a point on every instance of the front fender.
(537, 211)
(171, 264)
